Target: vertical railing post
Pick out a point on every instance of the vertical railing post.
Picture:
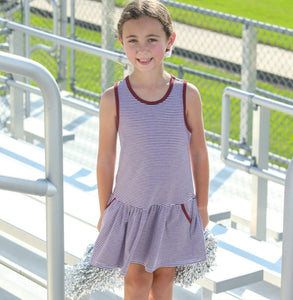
(107, 72)
(72, 36)
(260, 154)
(259, 135)
(62, 31)
(225, 125)
(27, 53)
(16, 95)
(248, 79)
(54, 204)
(287, 258)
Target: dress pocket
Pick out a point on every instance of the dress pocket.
(185, 213)
(110, 202)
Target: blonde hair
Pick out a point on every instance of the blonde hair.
(150, 8)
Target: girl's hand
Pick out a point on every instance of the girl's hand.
(204, 216)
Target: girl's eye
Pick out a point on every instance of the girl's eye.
(132, 41)
(152, 40)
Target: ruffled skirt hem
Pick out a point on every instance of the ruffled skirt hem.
(84, 278)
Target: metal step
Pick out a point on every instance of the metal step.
(23, 218)
(22, 270)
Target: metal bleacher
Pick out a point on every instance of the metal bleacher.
(245, 268)
(23, 233)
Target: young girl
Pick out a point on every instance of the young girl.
(151, 222)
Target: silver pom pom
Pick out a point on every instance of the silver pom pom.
(83, 278)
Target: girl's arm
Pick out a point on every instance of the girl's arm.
(198, 151)
(107, 149)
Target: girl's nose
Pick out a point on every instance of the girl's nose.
(142, 48)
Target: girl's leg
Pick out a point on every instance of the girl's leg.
(137, 283)
(162, 286)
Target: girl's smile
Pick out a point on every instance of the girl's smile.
(144, 61)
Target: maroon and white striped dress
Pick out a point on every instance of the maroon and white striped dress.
(151, 217)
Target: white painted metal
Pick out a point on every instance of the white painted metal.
(248, 79)
(108, 40)
(39, 187)
(260, 154)
(243, 164)
(17, 95)
(62, 32)
(287, 257)
(64, 41)
(92, 109)
(258, 167)
(54, 166)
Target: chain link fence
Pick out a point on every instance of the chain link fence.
(212, 50)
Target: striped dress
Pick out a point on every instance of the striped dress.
(151, 217)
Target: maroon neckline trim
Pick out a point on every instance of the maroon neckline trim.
(150, 102)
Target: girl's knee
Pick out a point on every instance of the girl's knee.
(137, 283)
(163, 280)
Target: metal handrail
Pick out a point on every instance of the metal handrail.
(120, 58)
(287, 258)
(90, 108)
(258, 101)
(55, 28)
(52, 185)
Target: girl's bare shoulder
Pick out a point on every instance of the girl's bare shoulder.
(108, 100)
(193, 98)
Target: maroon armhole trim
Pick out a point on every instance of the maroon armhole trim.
(185, 212)
(110, 203)
(117, 104)
(184, 105)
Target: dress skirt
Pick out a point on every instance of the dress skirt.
(161, 236)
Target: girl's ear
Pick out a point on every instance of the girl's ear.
(120, 40)
(171, 40)
(170, 43)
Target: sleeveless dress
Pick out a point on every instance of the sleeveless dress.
(151, 217)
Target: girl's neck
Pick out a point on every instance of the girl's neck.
(150, 88)
(149, 80)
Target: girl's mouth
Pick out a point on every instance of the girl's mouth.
(144, 61)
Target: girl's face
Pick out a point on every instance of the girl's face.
(145, 42)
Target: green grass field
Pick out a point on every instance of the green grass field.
(234, 28)
(268, 11)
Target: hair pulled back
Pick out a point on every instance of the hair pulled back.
(149, 8)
